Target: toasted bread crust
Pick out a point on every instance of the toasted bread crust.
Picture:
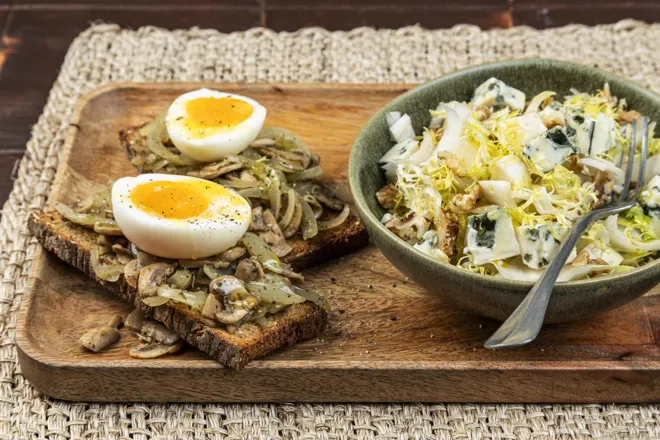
(73, 245)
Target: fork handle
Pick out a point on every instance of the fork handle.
(525, 322)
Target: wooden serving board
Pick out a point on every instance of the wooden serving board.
(388, 341)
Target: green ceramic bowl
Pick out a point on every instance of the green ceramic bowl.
(487, 296)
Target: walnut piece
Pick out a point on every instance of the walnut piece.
(386, 196)
(604, 186)
(482, 113)
(468, 200)
(552, 118)
(447, 229)
(628, 116)
(585, 258)
(581, 259)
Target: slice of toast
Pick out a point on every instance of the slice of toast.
(73, 244)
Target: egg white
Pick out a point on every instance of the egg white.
(221, 143)
(189, 238)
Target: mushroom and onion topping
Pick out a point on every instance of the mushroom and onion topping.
(249, 269)
(237, 303)
(271, 232)
(277, 172)
(151, 277)
(158, 340)
(100, 338)
(225, 290)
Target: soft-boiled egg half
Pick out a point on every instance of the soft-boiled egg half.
(208, 125)
(179, 216)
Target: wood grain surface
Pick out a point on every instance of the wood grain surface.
(388, 341)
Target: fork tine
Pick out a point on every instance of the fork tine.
(631, 163)
(645, 147)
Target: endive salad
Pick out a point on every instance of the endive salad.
(493, 185)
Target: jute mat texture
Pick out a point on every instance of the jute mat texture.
(106, 53)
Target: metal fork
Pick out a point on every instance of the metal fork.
(524, 324)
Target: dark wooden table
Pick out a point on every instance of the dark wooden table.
(36, 34)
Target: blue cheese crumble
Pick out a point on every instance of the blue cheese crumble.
(590, 136)
(650, 202)
(429, 246)
(650, 198)
(495, 93)
(538, 245)
(549, 149)
(491, 237)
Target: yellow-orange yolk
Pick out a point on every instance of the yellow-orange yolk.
(179, 199)
(206, 116)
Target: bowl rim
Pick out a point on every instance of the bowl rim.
(402, 247)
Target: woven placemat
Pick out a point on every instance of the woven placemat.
(107, 53)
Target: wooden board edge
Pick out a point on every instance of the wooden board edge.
(169, 85)
(386, 386)
(21, 337)
(62, 165)
(625, 381)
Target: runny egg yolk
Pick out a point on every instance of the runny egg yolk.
(206, 116)
(179, 199)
